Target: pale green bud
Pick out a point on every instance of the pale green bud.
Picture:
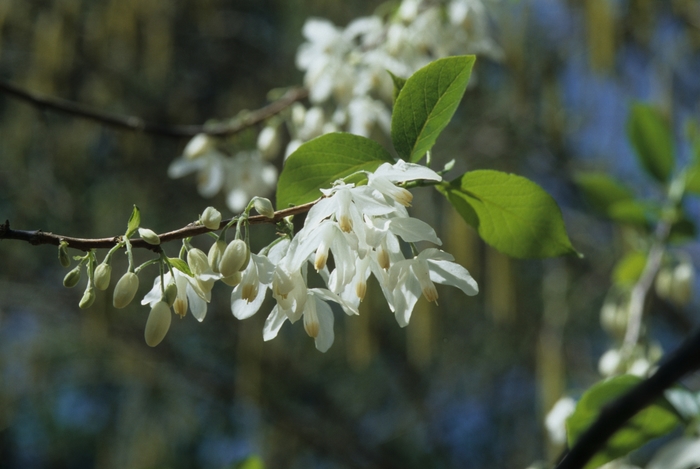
(125, 290)
(170, 293)
(88, 298)
(71, 279)
(234, 258)
(232, 280)
(264, 207)
(197, 261)
(158, 323)
(103, 273)
(199, 145)
(215, 252)
(663, 283)
(211, 218)
(683, 279)
(63, 256)
(149, 236)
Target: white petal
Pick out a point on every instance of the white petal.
(402, 171)
(413, 230)
(273, 323)
(325, 337)
(328, 295)
(450, 273)
(405, 297)
(197, 304)
(182, 167)
(241, 308)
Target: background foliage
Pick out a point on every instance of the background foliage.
(466, 384)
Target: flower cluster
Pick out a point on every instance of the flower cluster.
(349, 234)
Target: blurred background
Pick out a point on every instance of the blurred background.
(466, 384)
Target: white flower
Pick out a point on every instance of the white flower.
(248, 175)
(210, 169)
(248, 295)
(317, 314)
(409, 278)
(189, 294)
(364, 112)
(556, 419)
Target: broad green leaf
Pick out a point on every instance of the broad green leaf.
(652, 422)
(652, 140)
(252, 462)
(629, 268)
(692, 179)
(511, 213)
(602, 191)
(180, 265)
(398, 84)
(134, 222)
(426, 104)
(317, 164)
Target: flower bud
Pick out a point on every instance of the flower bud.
(664, 280)
(682, 286)
(149, 236)
(170, 294)
(71, 279)
(211, 218)
(197, 261)
(63, 256)
(264, 207)
(269, 142)
(103, 273)
(215, 252)
(232, 280)
(88, 298)
(158, 323)
(234, 258)
(125, 290)
(199, 145)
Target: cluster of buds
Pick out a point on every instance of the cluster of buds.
(364, 229)
(675, 284)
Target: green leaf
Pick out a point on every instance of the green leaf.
(252, 462)
(134, 222)
(682, 230)
(652, 140)
(398, 84)
(629, 268)
(180, 265)
(317, 164)
(601, 191)
(511, 213)
(652, 422)
(630, 211)
(426, 104)
(692, 179)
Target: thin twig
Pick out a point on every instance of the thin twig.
(137, 124)
(613, 416)
(38, 237)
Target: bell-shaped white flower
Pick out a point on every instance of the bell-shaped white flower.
(248, 175)
(247, 296)
(189, 294)
(317, 314)
(209, 166)
(410, 278)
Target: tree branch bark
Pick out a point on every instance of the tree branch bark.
(137, 124)
(37, 237)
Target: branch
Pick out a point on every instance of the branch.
(613, 416)
(137, 124)
(38, 237)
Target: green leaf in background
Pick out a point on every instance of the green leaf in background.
(683, 230)
(629, 268)
(511, 213)
(652, 422)
(134, 222)
(398, 84)
(652, 140)
(692, 179)
(180, 265)
(252, 462)
(633, 212)
(426, 104)
(317, 164)
(601, 191)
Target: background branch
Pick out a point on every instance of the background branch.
(137, 124)
(613, 416)
(37, 237)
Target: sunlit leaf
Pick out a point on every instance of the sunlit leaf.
(320, 162)
(426, 104)
(180, 265)
(629, 268)
(511, 213)
(652, 422)
(652, 140)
